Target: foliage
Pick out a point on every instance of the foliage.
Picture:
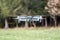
(8, 7)
(33, 7)
(29, 7)
(53, 7)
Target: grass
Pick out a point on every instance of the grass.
(30, 34)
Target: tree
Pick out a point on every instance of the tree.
(53, 7)
(8, 8)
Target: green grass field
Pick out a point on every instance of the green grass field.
(30, 34)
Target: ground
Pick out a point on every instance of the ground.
(30, 34)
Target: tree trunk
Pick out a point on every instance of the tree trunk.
(34, 24)
(6, 23)
(50, 21)
(55, 23)
(45, 22)
(42, 23)
(16, 23)
(26, 24)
